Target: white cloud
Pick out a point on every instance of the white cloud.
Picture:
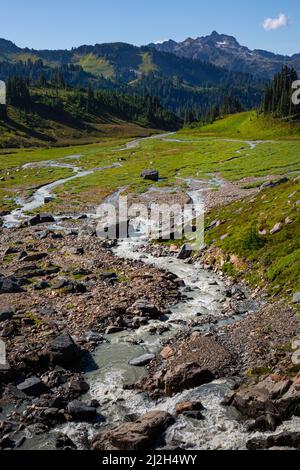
(271, 24)
(160, 41)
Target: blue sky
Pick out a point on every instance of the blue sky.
(66, 23)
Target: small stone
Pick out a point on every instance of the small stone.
(167, 352)
(296, 298)
(142, 360)
(276, 228)
(296, 358)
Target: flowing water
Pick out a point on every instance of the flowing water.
(203, 293)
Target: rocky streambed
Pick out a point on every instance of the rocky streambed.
(125, 345)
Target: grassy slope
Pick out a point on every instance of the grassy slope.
(270, 261)
(31, 131)
(247, 126)
(274, 259)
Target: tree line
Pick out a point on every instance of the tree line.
(278, 95)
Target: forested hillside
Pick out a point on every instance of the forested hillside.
(59, 115)
(181, 84)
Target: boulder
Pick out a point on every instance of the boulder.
(268, 422)
(186, 376)
(6, 314)
(139, 435)
(145, 308)
(285, 439)
(188, 406)
(6, 374)
(79, 386)
(152, 175)
(81, 411)
(185, 252)
(63, 351)
(296, 298)
(142, 360)
(269, 396)
(63, 442)
(10, 285)
(41, 219)
(33, 387)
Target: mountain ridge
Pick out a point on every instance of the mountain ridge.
(224, 50)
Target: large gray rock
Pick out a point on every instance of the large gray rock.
(152, 175)
(41, 219)
(33, 387)
(63, 351)
(81, 411)
(142, 360)
(296, 298)
(185, 252)
(6, 314)
(145, 308)
(10, 285)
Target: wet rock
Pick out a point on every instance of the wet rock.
(111, 330)
(6, 314)
(269, 396)
(197, 415)
(186, 376)
(139, 435)
(185, 252)
(142, 360)
(188, 406)
(63, 442)
(268, 422)
(152, 175)
(284, 439)
(81, 411)
(145, 308)
(79, 386)
(33, 387)
(63, 351)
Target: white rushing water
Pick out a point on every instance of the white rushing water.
(202, 294)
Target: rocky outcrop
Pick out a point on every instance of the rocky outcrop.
(289, 440)
(175, 380)
(139, 435)
(273, 395)
(62, 351)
